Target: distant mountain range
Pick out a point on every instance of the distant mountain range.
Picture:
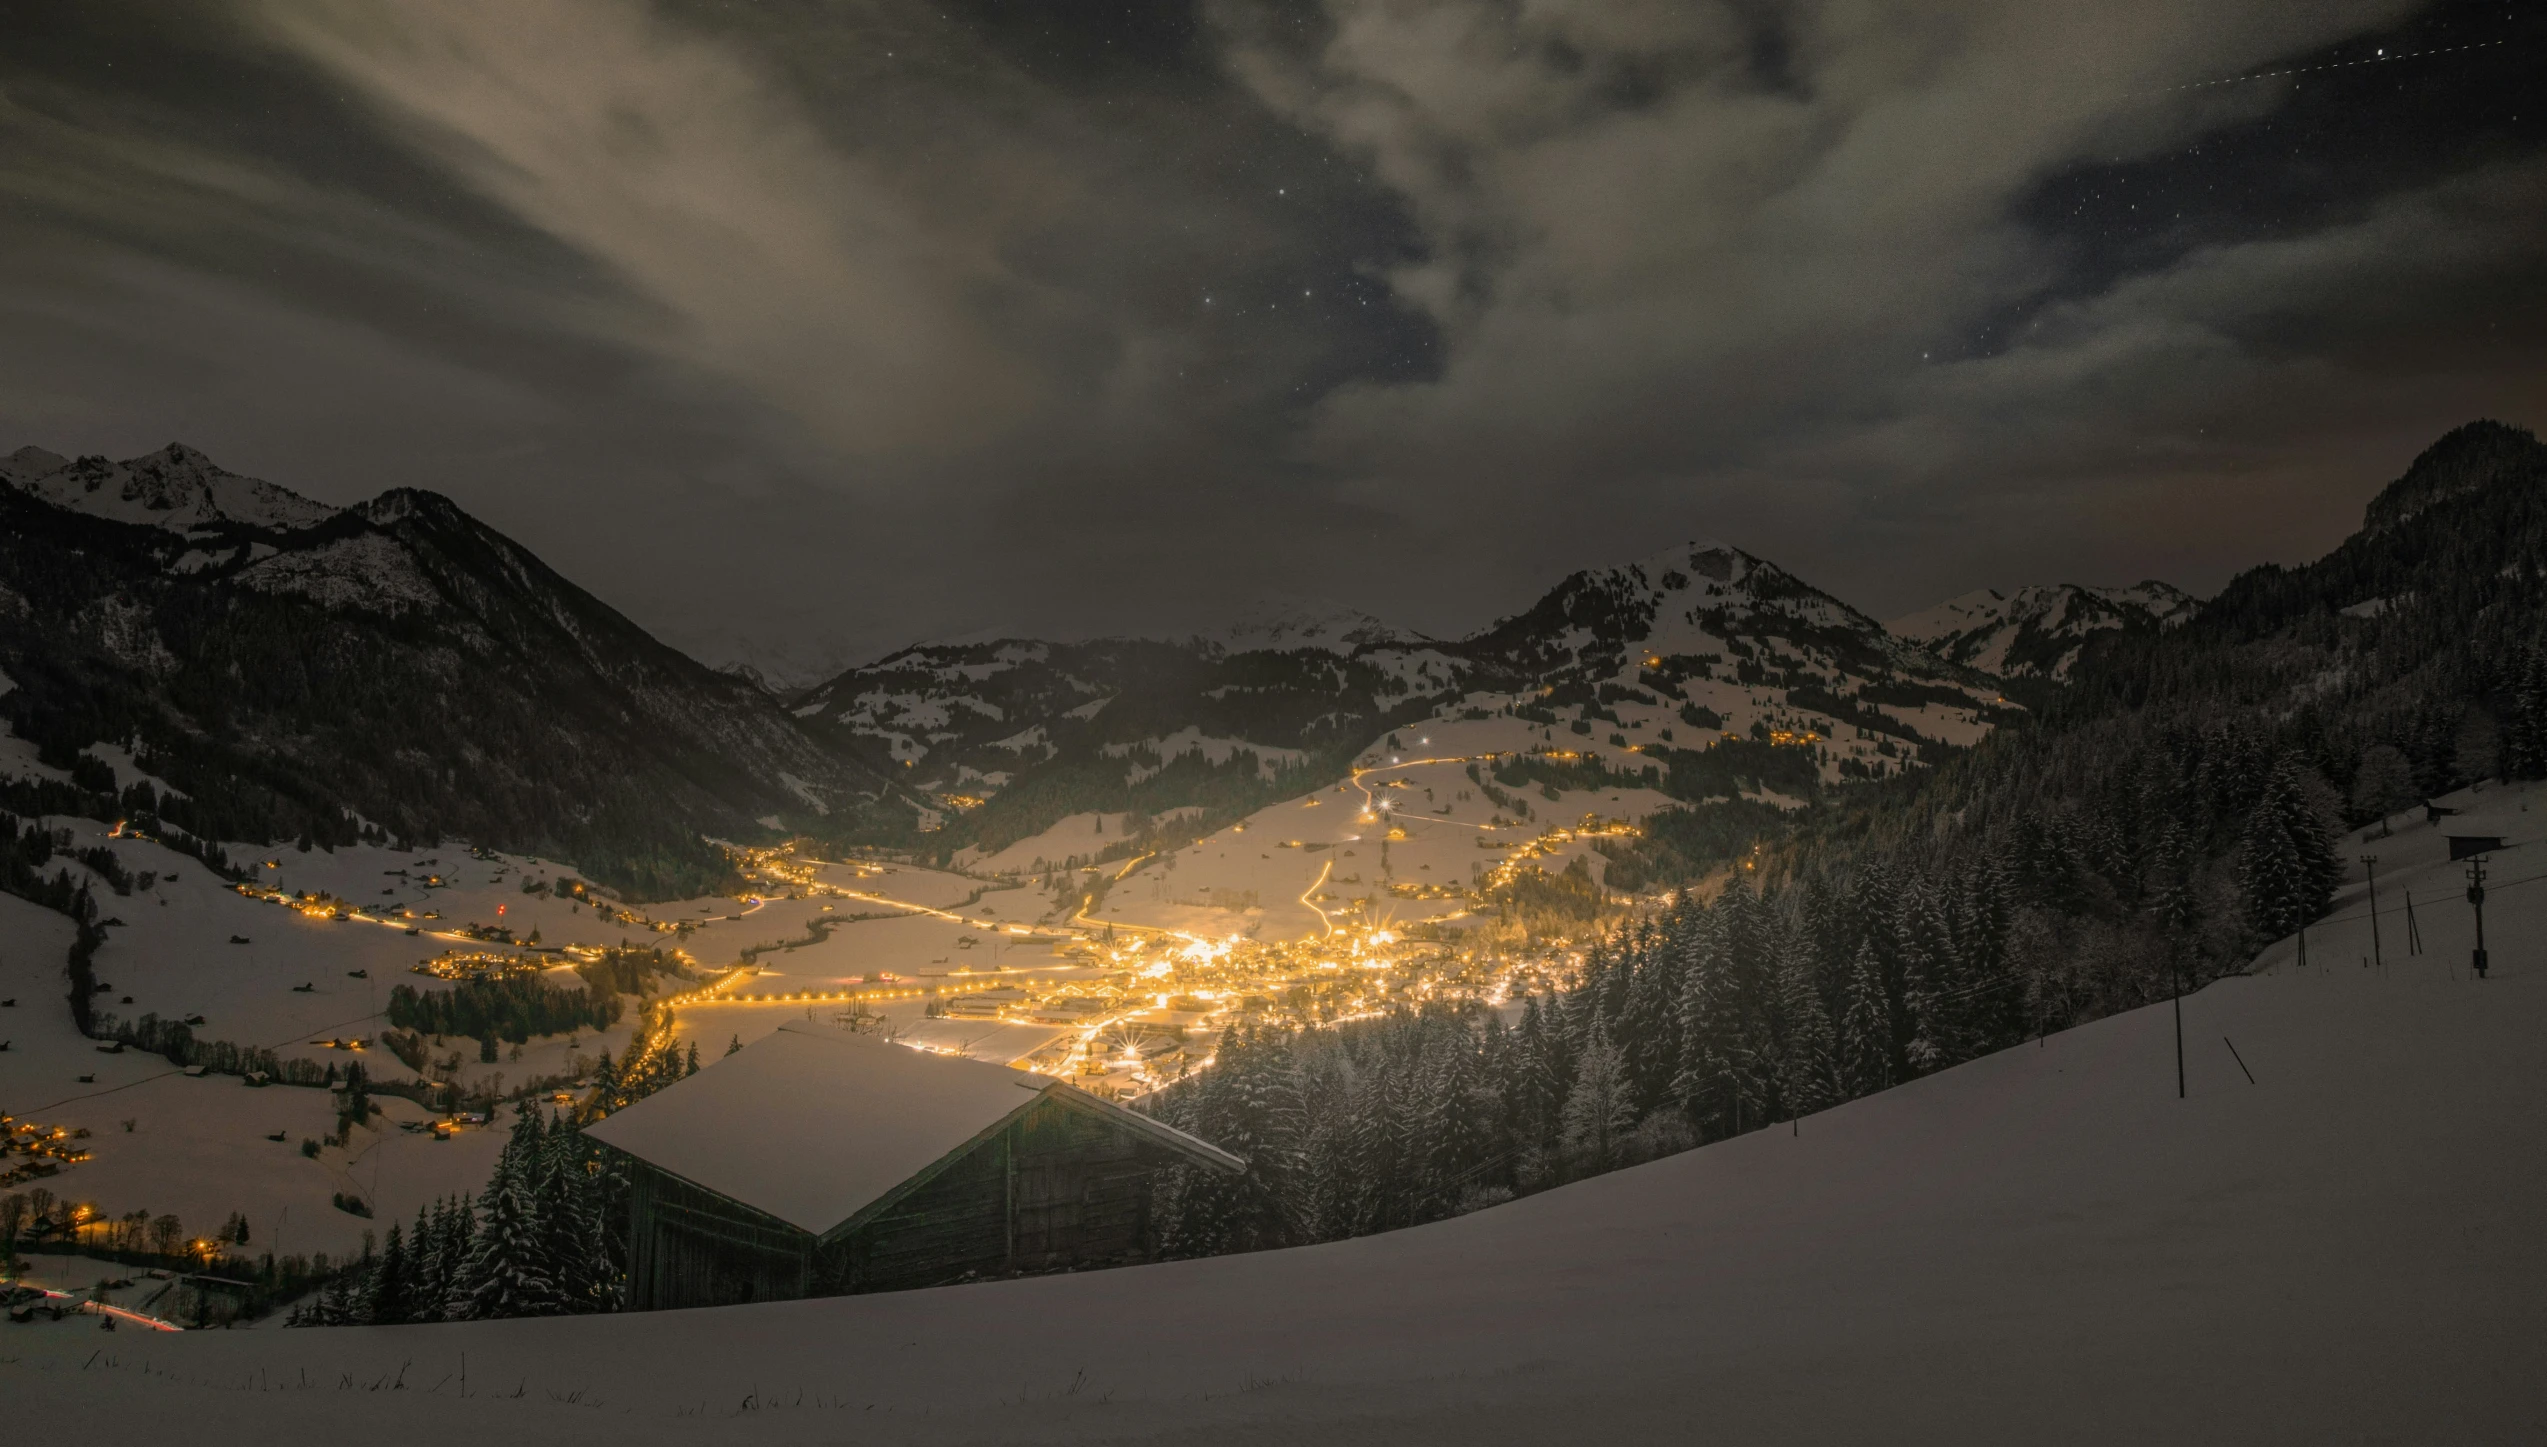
(1281, 624)
(293, 669)
(2037, 632)
(1670, 656)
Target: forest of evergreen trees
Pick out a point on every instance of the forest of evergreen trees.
(2172, 810)
(511, 1009)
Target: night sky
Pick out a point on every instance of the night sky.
(802, 330)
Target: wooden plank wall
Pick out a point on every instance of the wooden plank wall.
(1058, 1189)
(693, 1247)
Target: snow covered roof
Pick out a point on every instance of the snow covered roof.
(996, 1042)
(814, 1125)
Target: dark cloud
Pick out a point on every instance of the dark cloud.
(802, 330)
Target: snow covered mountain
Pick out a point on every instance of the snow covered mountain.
(2037, 632)
(1050, 729)
(290, 667)
(176, 488)
(1735, 649)
(1723, 672)
(1282, 624)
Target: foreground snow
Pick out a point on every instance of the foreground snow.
(2044, 1245)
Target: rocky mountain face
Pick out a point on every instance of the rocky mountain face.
(2037, 632)
(295, 670)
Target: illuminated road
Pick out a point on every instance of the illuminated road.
(1323, 870)
(1371, 802)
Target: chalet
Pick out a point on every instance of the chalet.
(816, 1162)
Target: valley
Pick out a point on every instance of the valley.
(1106, 864)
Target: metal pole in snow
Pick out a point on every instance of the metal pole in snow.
(2476, 897)
(2414, 932)
(2240, 1059)
(2175, 970)
(2370, 871)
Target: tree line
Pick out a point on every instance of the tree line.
(537, 1240)
(512, 1009)
(545, 1236)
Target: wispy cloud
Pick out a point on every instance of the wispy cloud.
(765, 251)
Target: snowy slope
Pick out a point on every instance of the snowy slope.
(176, 488)
(2038, 631)
(2042, 1245)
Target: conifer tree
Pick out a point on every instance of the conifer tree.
(1538, 1087)
(1808, 1078)
(1866, 1027)
(1598, 1111)
(509, 1272)
(389, 1291)
(2286, 867)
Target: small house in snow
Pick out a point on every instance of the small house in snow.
(815, 1162)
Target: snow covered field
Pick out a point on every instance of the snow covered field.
(2042, 1245)
(188, 944)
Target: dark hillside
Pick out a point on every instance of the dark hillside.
(2181, 797)
(397, 667)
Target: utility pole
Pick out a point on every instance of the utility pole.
(2414, 932)
(2370, 871)
(2476, 897)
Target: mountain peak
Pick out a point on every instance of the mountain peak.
(31, 462)
(176, 488)
(2466, 459)
(399, 504)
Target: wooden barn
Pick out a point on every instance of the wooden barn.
(816, 1162)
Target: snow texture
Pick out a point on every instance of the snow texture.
(176, 488)
(2037, 630)
(2041, 1245)
(835, 1121)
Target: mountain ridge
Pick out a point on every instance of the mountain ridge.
(397, 661)
(2038, 631)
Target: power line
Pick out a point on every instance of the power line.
(2491, 886)
(2332, 65)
